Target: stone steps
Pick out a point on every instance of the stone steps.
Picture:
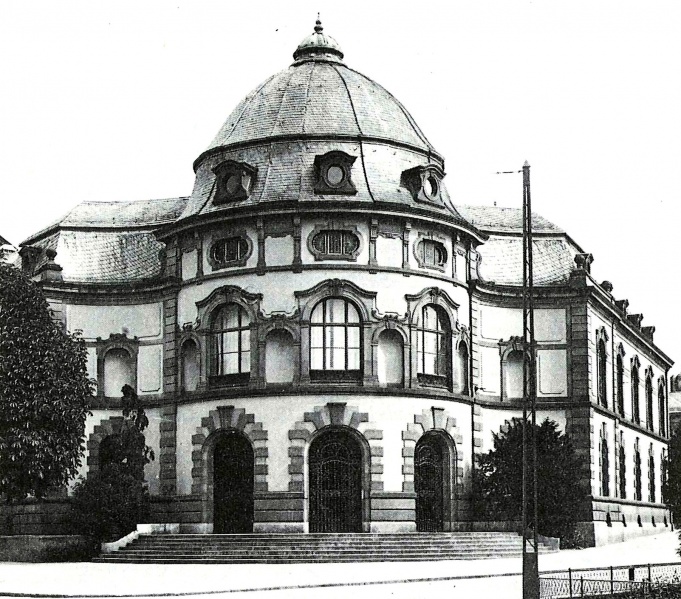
(316, 548)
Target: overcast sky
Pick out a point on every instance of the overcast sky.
(114, 100)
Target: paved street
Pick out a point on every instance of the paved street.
(413, 579)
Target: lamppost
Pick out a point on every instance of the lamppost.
(530, 512)
(530, 508)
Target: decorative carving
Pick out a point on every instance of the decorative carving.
(607, 286)
(584, 261)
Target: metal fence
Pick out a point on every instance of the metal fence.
(638, 580)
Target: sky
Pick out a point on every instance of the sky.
(114, 100)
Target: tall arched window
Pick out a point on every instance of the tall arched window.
(623, 471)
(335, 341)
(651, 476)
(620, 384)
(649, 400)
(433, 345)
(601, 373)
(605, 466)
(231, 343)
(635, 408)
(662, 408)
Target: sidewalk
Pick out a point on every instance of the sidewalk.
(278, 581)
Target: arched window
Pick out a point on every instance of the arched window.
(635, 408)
(651, 476)
(461, 383)
(662, 408)
(119, 370)
(335, 341)
(623, 471)
(190, 366)
(433, 346)
(601, 373)
(649, 400)
(231, 343)
(605, 466)
(620, 384)
(514, 375)
(638, 496)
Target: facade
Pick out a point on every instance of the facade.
(323, 340)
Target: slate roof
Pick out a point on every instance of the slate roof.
(502, 260)
(109, 242)
(320, 98)
(501, 219)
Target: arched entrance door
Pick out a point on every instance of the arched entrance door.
(335, 467)
(232, 484)
(430, 480)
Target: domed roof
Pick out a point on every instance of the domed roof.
(319, 96)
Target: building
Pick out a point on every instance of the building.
(323, 340)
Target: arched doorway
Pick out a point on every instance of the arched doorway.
(335, 471)
(431, 481)
(232, 484)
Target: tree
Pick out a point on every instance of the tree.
(109, 504)
(498, 481)
(44, 392)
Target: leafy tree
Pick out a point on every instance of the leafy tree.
(109, 504)
(671, 489)
(498, 482)
(44, 392)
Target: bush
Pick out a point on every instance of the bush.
(109, 504)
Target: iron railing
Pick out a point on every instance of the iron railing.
(639, 580)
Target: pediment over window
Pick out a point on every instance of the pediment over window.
(233, 181)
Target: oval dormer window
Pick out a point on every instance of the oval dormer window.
(335, 245)
(230, 251)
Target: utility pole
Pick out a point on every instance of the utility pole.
(530, 511)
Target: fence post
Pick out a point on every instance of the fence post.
(612, 582)
(631, 574)
(650, 579)
(581, 585)
(570, 579)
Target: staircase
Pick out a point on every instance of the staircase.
(317, 548)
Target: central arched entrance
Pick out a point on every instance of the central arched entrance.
(232, 484)
(335, 470)
(431, 466)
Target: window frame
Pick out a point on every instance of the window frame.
(217, 336)
(635, 397)
(326, 374)
(442, 334)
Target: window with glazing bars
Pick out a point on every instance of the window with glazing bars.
(231, 341)
(431, 343)
(336, 243)
(623, 473)
(335, 336)
(649, 403)
(620, 386)
(635, 408)
(638, 496)
(661, 406)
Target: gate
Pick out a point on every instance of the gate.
(429, 481)
(233, 484)
(335, 467)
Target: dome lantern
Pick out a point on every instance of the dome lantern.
(317, 46)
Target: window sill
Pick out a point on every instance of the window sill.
(229, 380)
(336, 376)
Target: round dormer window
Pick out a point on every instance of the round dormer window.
(335, 175)
(233, 183)
(430, 186)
